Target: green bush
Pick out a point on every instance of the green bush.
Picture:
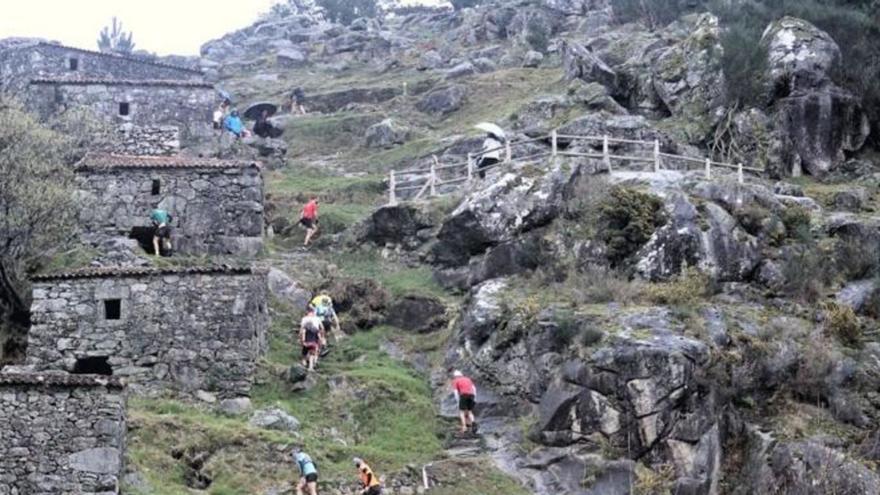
(689, 287)
(807, 272)
(797, 221)
(654, 13)
(628, 218)
(538, 34)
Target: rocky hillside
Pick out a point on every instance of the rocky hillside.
(630, 330)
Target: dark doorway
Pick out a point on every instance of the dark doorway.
(157, 187)
(112, 309)
(144, 237)
(95, 365)
(73, 64)
(124, 109)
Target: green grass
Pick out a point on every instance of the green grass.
(400, 280)
(473, 477)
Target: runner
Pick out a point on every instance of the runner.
(309, 219)
(325, 310)
(466, 394)
(369, 481)
(308, 473)
(161, 220)
(311, 334)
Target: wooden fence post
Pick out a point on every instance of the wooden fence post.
(656, 155)
(554, 144)
(404, 89)
(606, 153)
(708, 169)
(392, 186)
(739, 173)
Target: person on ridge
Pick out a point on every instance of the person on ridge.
(466, 394)
(161, 221)
(309, 219)
(308, 473)
(324, 309)
(311, 334)
(233, 124)
(297, 99)
(369, 482)
(491, 153)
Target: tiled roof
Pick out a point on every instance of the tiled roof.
(129, 58)
(102, 161)
(85, 81)
(107, 272)
(60, 380)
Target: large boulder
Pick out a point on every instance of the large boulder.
(509, 206)
(404, 224)
(386, 134)
(274, 419)
(360, 303)
(417, 314)
(288, 58)
(581, 63)
(283, 287)
(443, 101)
(689, 79)
(816, 122)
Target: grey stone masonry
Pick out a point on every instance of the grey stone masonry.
(61, 434)
(178, 329)
(28, 59)
(160, 140)
(216, 205)
(188, 105)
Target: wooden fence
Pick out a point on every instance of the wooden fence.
(441, 179)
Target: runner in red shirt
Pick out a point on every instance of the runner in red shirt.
(309, 219)
(466, 394)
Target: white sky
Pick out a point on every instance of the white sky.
(160, 26)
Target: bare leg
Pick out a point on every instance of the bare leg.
(470, 418)
(463, 416)
(313, 488)
(156, 245)
(299, 486)
(309, 234)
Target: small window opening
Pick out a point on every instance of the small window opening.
(124, 108)
(113, 309)
(73, 64)
(157, 187)
(95, 365)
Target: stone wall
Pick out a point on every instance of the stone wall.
(29, 60)
(152, 140)
(61, 434)
(187, 105)
(216, 205)
(181, 329)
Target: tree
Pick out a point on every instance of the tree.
(346, 11)
(114, 40)
(37, 209)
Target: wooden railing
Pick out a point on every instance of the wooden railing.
(427, 180)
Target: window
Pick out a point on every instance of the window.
(73, 63)
(124, 109)
(113, 309)
(157, 187)
(95, 365)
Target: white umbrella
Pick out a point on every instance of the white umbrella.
(491, 129)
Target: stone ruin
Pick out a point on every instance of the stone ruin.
(27, 59)
(216, 205)
(61, 434)
(181, 329)
(187, 105)
(150, 107)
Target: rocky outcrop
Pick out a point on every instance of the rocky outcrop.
(580, 63)
(817, 123)
(443, 101)
(404, 224)
(513, 204)
(417, 314)
(386, 134)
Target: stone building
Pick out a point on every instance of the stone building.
(188, 105)
(61, 434)
(216, 205)
(181, 329)
(23, 60)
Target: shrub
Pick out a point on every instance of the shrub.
(655, 13)
(567, 328)
(628, 218)
(538, 34)
(807, 272)
(854, 262)
(752, 218)
(744, 63)
(600, 285)
(797, 222)
(346, 11)
(689, 287)
(842, 323)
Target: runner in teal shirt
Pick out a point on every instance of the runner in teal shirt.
(308, 474)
